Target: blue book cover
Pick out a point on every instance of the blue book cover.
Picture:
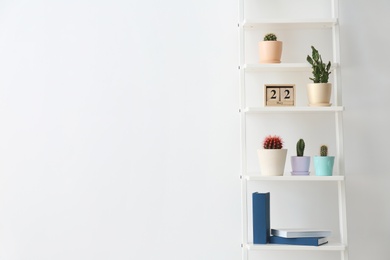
(261, 217)
(302, 241)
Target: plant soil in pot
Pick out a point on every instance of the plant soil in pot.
(319, 92)
(272, 158)
(270, 50)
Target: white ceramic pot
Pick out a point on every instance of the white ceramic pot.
(319, 94)
(272, 161)
(270, 51)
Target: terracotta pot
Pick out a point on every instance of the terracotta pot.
(319, 94)
(272, 161)
(270, 51)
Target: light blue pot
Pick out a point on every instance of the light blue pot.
(324, 165)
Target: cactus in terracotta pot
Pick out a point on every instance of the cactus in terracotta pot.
(270, 49)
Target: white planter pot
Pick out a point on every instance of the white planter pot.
(319, 94)
(272, 161)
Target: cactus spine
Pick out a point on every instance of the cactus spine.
(324, 150)
(273, 142)
(270, 37)
(300, 147)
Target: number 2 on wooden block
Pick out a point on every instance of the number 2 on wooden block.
(273, 94)
(287, 94)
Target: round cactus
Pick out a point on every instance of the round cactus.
(270, 37)
(273, 142)
(324, 150)
(300, 147)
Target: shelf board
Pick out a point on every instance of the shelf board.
(294, 178)
(292, 109)
(327, 247)
(279, 67)
(290, 24)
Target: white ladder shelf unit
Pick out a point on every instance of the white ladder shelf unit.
(336, 109)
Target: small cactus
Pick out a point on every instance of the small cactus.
(324, 150)
(300, 147)
(273, 142)
(270, 37)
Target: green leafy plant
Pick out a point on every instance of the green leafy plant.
(300, 147)
(321, 71)
(324, 150)
(270, 37)
(273, 142)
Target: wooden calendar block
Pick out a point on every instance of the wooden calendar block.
(272, 96)
(287, 96)
(279, 95)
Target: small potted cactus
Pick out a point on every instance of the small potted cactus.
(272, 158)
(319, 92)
(323, 164)
(300, 164)
(270, 49)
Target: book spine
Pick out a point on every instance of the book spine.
(261, 217)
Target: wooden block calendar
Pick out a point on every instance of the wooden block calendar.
(279, 95)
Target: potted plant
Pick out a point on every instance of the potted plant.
(300, 164)
(319, 92)
(323, 164)
(272, 158)
(270, 49)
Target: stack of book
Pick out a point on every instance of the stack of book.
(263, 234)
(303, 237)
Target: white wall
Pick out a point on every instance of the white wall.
(365, 56)
(119, 129)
